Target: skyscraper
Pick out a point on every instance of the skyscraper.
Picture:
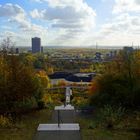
(36, 45)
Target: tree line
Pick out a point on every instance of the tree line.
(119, 85)
(21, 85)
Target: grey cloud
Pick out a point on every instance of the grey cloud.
(64, 25)
(63, 13)
(137, 1)
(124, 24)
(70, 19)
(10, 10)
(135, 21)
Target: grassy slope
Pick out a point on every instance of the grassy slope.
(100, 133)
(26, 128)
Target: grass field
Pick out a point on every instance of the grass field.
(25, 128)
(128, 129)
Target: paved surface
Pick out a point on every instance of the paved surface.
(58, 135)
(66, 116)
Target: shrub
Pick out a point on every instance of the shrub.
(110, 116)
(5, 122)
(79, 101)
(119, 84)
(41, 104)
(20, 87)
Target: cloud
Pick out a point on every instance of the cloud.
(67, 21)
(9, 10)
(67, 12)
(71, 22)
(27, 29)
(122, 29)
(62, 3)
(137, 2)
(126, 6)
(71, 18)
(35, 14)
(124, 24)
(17, 17)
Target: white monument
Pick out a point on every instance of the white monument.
(67, 105)
(68, 94)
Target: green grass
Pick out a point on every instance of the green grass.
(25, 128)
(102, 134)
(90, 130)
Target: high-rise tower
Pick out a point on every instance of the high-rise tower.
(36, 45)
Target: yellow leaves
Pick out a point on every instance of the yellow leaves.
(47, 99)
(44, 79)
(5, 121)
(52, 99)
(86, 70)
(30, 58)
(50, 70)
(79, 101)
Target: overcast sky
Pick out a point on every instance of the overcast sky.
(71, 22)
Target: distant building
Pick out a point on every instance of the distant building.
(17, 50)
(98, 56)
(36, 45)
(128, 49)
(112, 54)
(127, 52)
(42, 50)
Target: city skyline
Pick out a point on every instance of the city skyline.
(71, 22)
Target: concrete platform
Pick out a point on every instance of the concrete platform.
(62, 127)
(57, 135)
(62, 107)
(67, 130)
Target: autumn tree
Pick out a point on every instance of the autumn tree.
(7, 45)
(119, 84)
(19, 83)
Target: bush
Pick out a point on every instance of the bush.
(80, 101)
(19, 86)
(119, 84)
(41, 104)
(27, 104)
(5, 122)
(110, 116)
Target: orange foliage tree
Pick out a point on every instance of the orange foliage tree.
(119, 84)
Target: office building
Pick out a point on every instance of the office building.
(36, 45)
